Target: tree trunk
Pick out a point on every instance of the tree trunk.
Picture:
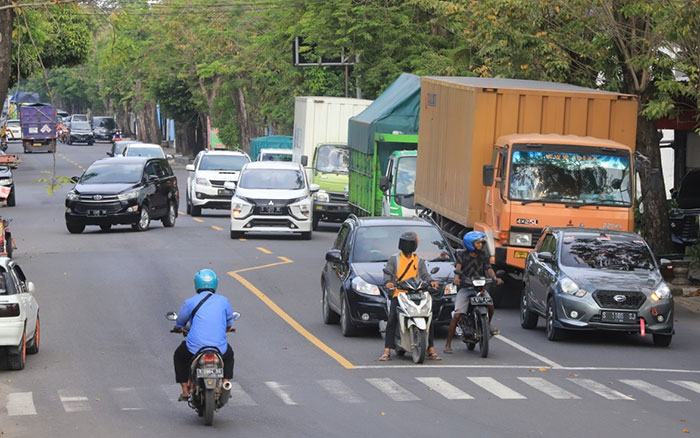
(6, 19)
(656, 224)
(246, 126)
(149, 128)
(190, 136)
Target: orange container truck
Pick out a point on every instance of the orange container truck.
(509, 157)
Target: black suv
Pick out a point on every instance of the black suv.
(123, 190)
(104, 128)
(352, 283)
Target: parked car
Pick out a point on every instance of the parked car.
(275, 155)
(352, 283)
(206, 178)
(13, 130)
(585, 279)
(81, 132)
(144, 150)
(104, 128)
(271, 196)
(119, 146)
(123, 190)
(19, 315)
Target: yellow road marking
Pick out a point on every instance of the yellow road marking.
(243, 240)
(198, 220)
(217, 228)
(266, 251)
(71, 161)
(285, 316)
(182, 213)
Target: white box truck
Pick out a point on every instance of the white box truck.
(321, 135)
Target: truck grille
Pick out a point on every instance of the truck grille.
(338, 196)
(606, 299)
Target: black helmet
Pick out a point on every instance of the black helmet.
(408, 242)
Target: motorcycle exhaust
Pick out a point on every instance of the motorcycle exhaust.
(226, 386)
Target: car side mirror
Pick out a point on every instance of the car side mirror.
(304, 160)
(384, 183)
(171, 316)
(230, 185)
(151, 178)
(313, 188)
(545, 257)
(110, 154)
(334, 256)
(189, 168)
(488, 175)
(665, 264)
(169, 157)
(74, 179)
(30, 287)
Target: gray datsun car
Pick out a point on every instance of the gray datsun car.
(594, 279)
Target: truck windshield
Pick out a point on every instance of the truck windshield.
(223, 162)
(571, 175)
(272, 179)
(332, 159)
(275, 156)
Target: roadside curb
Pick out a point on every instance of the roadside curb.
(691, 303)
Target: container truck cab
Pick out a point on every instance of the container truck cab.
(399, 184)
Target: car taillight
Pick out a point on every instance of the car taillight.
(8, 310)
(209, 358)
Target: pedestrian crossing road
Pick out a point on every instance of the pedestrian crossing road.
(405, 389)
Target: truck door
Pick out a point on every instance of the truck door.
(496, 193)
(386, 200)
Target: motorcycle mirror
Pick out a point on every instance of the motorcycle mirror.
(434, 270)
(236, 315)
(171, 316)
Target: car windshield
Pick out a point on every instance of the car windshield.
(276, 156)
(155, 152)
(112, 174)
(332, 159)
(13, 123)
(568, 174)
(79, 118)
(104, 122)
(606, 252)
(223, 162)
(378, 243)
(80, 125)
(281, 179)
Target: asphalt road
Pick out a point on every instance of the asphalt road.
(105, 365)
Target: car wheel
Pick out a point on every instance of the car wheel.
(144, 219)
(662, 340)
(236, 234)
(75, 228)
(314, 224)
(11, 198)
(90, 143)
(187, 201)
(306, 235)
(553, 333)
(169, 220)
(346, 327)
(17, 356)
(33, 344)
(70, 142)
(528, 318)
(329, 316)
(105, 227)
(195, 211)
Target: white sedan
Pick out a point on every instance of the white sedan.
(19, 315)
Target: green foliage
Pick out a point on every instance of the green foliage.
(53, 182)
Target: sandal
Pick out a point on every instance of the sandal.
(385, 357)
(434, 356)
(447, 350)
(494, 331)
(183, 397)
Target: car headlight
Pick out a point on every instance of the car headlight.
(72, 196)
(236, 209)
(363, 287)
(521, 239)
(128, 195)
(450, 289)
(321, 196)
(202, 182)
(6, 181)
(568, 286)
(663, 292)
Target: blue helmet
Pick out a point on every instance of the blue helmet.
(205, 279)
(472, 237)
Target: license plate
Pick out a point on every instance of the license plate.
(203, 373)
(415, 296)
(225, 192)
(480, 300)
(97, 212)
(270, 209)
(618, 317)
(38, 144)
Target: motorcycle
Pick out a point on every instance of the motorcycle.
(3, 143)
(208, 391)
(473, 326)
(117, 136)
(415, 314)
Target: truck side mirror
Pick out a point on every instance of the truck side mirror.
(304, 160)
(384, 183)
(488, 174)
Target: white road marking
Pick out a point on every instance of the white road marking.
(73, 401)
(600, 389)
(653, 390)
(280, 392)
(687, 384)
(526, 367)
(527, 351)
(497, 388)
(392, 390)
(239, 397)
(444, 388)
(549, 388)
(340, 391)
(20, 403)
(127, 399)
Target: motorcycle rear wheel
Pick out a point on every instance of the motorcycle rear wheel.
(419, 344)
(208, 407)
(484, 333)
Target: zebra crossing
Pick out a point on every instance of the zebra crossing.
(409, 389)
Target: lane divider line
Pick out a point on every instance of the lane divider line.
(527, 351)
(217, 228)
(284, 315)
(263, 250)
(71, 161)
(181, 213)
(198, 220)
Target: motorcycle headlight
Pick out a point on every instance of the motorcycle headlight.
(450, 289)
(521, 239)
(568, 286)
(363, 287)
(321, 196)
(202, 182)
(663, 292)
(128, 195)
(479, 282)
(72, 196)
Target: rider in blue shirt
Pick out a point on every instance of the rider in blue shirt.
(208, 328)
